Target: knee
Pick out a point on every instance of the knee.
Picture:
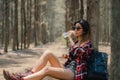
(47, 70)
(48, 53)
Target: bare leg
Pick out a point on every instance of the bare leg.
(47, 56)
(57, 70)
(60, 73)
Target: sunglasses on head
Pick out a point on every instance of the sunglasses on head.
(77, 28)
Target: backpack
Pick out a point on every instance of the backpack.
(97, 66)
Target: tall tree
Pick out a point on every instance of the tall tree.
(6, 42)
(3, 22)
(104, 29)
(51, 18)
(22, 22)
(25, 24)
(69, 11)
(29, 9)
(36, 21)
(81, 9)
(115, 41)
(15, 29)
(93, 19)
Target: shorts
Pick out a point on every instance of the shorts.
(73, 70)
(71, 66)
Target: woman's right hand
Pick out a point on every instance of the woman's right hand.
(72, 33)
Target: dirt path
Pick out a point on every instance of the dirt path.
(18, 61)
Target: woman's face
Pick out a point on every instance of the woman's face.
(78, 30)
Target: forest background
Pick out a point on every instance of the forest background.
(28, 27)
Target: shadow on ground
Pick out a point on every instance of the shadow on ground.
(6, 62)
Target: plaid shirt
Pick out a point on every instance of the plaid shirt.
(80, 55)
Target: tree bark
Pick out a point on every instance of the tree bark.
(93, 19)
(36, 22)
(15, 29)
(22, 23)
(3, 22)
(82, 9)
(29, 8)
(6, 25)
(115, 41)
(25, 25)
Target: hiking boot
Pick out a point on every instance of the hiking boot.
(9, 76)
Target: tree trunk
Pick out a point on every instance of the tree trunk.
(22, 23)
(115, 41)
(51, 19)
(69, 19)
(6, 25)
(15, 29)
(29, 8)
(93, 19)
(44, 31)
(25, 24)
(3, 22)
(82, 9)
(36, 22)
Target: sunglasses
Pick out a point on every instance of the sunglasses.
(78, 28)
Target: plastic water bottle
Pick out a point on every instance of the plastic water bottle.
(66, 34)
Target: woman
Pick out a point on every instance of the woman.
(75, 68)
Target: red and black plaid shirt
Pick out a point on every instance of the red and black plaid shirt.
(80, 55)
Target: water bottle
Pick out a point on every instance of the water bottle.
(66, 34)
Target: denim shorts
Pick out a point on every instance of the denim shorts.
(71, 66)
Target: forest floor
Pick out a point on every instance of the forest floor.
(21, 60)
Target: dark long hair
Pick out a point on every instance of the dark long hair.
(86, 29)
